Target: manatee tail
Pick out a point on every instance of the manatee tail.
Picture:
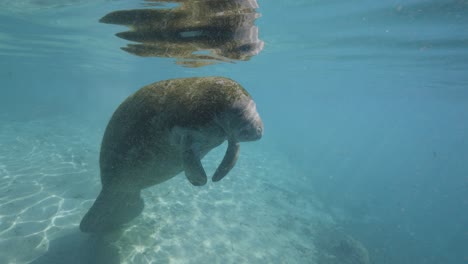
(111, 210)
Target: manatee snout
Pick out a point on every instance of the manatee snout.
(252, 131)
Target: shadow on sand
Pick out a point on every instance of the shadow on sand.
(79, 248)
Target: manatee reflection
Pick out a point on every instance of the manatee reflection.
(197, 33)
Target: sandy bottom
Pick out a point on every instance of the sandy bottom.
(260, 213)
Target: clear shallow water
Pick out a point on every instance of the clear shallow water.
(365, 109)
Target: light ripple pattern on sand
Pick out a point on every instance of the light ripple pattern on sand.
(41, 170)
(49, 178)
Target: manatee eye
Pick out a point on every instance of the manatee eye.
(245, 48)
(238, 115)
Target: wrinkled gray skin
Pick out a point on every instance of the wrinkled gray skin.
(164, 129)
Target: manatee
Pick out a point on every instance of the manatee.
(161, 130)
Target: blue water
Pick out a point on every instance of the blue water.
(365, 106)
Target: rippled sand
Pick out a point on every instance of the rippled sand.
(49, 178)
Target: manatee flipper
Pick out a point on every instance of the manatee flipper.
(111, 211)
(193, 168)
(229, 160)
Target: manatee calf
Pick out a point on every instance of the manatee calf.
(161, 130)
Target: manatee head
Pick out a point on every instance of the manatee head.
(248, 125)
(242, 122)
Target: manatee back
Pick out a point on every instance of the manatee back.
(192, 102)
